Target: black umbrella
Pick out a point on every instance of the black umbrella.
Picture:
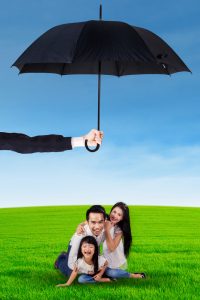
(99, 47)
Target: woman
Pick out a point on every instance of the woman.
(114, 250)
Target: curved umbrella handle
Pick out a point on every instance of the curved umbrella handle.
(91, 150)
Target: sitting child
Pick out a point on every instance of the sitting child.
(89, 264)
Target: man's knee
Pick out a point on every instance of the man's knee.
(82, 279)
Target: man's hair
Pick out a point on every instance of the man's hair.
(97, 209)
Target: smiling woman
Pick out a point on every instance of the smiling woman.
(117, 244)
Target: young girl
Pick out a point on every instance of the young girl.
(89, 264)
(114, 250)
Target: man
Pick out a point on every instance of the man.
(22, 143)
(95, 217)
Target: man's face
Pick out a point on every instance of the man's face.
(96, 223)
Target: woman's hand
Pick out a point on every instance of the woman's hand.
(97, 277)
(107, 225)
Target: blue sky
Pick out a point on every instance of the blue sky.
(151, 151)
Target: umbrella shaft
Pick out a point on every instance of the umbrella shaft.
(99, 95)
(99, 78)
(100, 12)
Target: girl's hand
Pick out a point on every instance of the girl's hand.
(62, 285)
(107, 225)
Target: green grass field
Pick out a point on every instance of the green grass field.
(166, 246)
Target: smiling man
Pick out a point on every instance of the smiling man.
(95, 217)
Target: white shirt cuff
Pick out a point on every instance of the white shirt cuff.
(77, 142)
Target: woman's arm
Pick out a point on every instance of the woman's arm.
(112, 243)
(98, 276)
(70, 280)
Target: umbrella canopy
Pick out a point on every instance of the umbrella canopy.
(122, 49)
(99, 47)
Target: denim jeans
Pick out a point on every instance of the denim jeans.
(62, 262)
(84, 278)
(117, 273)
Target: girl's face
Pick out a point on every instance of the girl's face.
(116, 215)
(87, 250)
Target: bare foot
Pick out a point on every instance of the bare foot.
(138, 275)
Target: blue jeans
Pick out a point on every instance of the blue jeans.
(84, 278)
(117, 273)
(62, 262)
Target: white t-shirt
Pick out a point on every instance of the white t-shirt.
(116, 259)
(75, 242)
(84, 268)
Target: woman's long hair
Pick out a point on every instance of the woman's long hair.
(125, 226)
(90, 240)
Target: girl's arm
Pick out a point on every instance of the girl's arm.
(70, 280)
(111, 243)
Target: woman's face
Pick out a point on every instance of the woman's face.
(116, 215)
(87, 250)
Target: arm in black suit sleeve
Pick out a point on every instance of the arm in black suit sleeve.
(22, 143)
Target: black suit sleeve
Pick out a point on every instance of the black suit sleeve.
(22, 143)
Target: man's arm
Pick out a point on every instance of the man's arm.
(22, 143)
(75, 242)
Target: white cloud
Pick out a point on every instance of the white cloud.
(137, 175)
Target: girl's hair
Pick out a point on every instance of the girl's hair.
(90, 240)
(125, 226)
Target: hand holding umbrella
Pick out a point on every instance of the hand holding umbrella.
(100, 47)
(22, 143)
(93, 138)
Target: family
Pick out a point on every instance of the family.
(83, 257)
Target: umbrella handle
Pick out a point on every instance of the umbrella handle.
(91, 150)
